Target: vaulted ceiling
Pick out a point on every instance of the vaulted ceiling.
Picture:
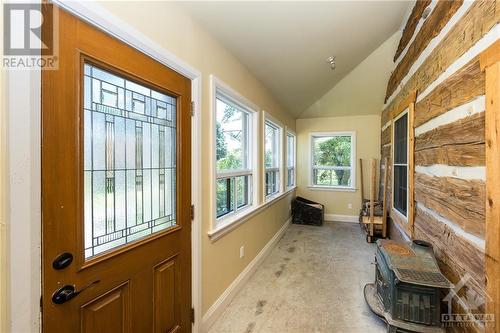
(286, 44)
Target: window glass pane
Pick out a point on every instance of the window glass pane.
(272, 182)
(271, 152)
(231, 137)
(400, 191)
(224, 196)
(290, 178)
(325, 177)
(290, 150)
(400, 140)
(126, 190)
(242, 191)
(332, 151)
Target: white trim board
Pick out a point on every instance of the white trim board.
(23, 317)
(216, 310)
(341, 218)
(441, 170)
(477, 105)
(475, 240)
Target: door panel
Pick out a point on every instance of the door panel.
(108, 313)
(166, 294)
(115, 187)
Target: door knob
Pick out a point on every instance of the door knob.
(67, 292)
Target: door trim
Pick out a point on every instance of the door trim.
(26, 157)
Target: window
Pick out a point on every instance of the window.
(400, 166)
(333, 156)
(272, 157)
(233, 156)
(129, 160)
(290, 159)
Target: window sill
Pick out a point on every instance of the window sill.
(332, 188)
(400, 215)
(235, 221)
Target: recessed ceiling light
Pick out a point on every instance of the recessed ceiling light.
(331, 61)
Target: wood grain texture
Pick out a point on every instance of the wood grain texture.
(490, 56)
(404, 104)
(493, 190)
(466, 257)
(432, 26)
(411, 25)
(385, 136)
(385, 117)
(460, 201)
(476, 22)
(386, 151)
(460, 143)
(457, 258)
(463, 131)
(454, 155)
(463, 86)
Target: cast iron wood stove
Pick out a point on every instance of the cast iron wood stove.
(408, 287)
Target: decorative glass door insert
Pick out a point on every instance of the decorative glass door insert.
(129, 160)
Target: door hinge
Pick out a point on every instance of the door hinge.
(192, 315)
(41, 303)
(192, 109)
(192, 212)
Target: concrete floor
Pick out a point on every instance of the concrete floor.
(311, 282)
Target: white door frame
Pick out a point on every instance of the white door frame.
(23, 91)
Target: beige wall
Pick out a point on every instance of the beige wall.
(169, 26)
(367, 130)
(362, 90)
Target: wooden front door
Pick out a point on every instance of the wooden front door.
(116, 186)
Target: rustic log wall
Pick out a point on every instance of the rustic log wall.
(449, 122)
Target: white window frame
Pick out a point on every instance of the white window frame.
(279, 155)
(292, 167)
(314, 135)
(394, 120)
(222, 91)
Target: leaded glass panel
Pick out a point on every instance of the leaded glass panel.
(129, 161)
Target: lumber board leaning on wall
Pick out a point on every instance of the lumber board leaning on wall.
(476, 22)
(461, 87)
(432, 26)
(411, 25)
(460, 201)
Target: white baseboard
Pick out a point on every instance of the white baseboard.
(216, 310)
(341, 218)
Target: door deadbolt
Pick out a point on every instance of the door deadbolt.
(62, 261)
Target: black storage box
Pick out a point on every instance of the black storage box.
(307, 212)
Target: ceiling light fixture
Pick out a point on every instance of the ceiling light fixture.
(331, 62)
(426, 12)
